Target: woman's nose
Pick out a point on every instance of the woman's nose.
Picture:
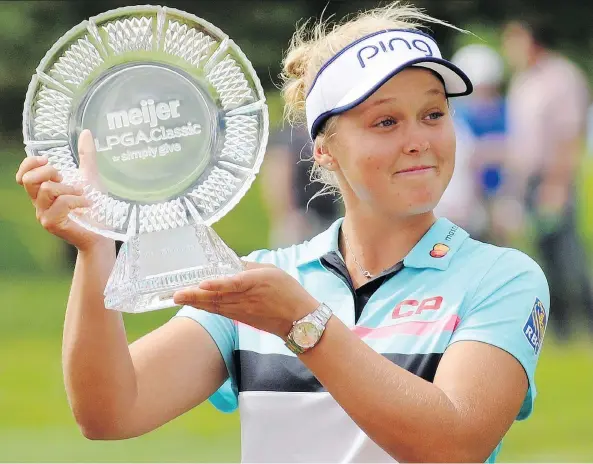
(416, 147)
(415, 140)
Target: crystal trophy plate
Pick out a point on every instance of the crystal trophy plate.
(180, 125)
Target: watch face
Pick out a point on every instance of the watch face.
(306, 334)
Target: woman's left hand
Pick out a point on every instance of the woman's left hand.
(263, 296)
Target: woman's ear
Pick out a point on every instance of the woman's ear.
(323, 156)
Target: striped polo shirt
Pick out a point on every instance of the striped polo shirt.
(449, 288)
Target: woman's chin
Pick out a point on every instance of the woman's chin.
(422, 209)
(424, 205)
(413, 209)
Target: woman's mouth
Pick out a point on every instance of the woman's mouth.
(420, 169)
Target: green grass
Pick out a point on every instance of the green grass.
(35, 420)
(36, 423)
(560, 426)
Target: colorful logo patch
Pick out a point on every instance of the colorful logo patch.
(536, 326)
(439, 250)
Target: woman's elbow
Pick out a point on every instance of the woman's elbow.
(92, 431)
(449, 451)
(101, 428)
(442, 455)
(462, 453)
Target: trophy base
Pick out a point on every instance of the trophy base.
(151, 267)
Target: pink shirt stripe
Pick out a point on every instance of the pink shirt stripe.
(447, 324)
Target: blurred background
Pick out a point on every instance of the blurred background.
(524, 178)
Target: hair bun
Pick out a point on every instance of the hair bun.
(295, 64)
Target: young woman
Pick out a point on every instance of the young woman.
(390, 336)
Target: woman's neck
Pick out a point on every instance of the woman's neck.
(376, 243)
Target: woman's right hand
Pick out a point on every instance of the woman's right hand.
(54, 200)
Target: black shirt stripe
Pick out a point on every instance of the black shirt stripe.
(283, 373)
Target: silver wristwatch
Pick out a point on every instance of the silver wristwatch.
(306, 332)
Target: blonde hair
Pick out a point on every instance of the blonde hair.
(314, 44)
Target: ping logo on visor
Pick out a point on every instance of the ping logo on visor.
(358, 70)
(368, 52)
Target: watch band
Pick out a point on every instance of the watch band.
(320, 316)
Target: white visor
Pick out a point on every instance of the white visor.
(359, 69)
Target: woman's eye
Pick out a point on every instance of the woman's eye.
(435, 115)
(388, 122)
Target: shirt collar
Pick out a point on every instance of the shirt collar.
(434, 250)
(437, 247)
(321, 244)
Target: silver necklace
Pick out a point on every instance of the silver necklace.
(364, 272)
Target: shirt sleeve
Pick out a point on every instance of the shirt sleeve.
(510, 310)
(224, 333)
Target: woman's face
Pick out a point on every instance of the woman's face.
(395, 152)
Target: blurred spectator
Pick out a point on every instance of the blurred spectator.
(480, 120)
(287, 190)
(547, 108)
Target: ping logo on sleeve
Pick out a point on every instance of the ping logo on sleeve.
(536, 326)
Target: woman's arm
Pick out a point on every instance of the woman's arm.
(117, 391)
(476, 395)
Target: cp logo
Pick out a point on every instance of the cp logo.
(416, 307)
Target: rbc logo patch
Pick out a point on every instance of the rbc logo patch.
(536, 326)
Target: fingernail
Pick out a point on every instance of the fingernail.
(180, 298)
(205, 285)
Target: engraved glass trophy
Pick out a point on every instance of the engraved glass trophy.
(180, 125)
